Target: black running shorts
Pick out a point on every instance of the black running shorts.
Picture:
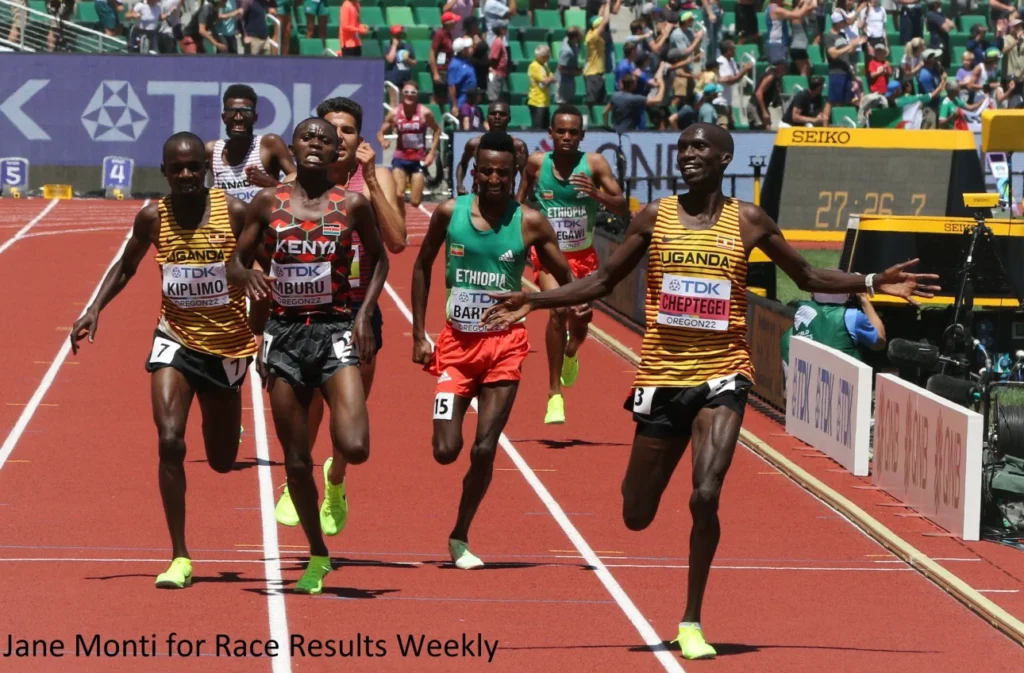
(670, 412)
(205, 372)
(307, 354)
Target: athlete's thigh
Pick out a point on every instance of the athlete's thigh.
(222, 425)
(715, 432)
(496, 400)
(416, 182)
(366, 373)
(449, 414)
(289, 407)
(172, 395)
(652, 461)
(343, 392)
(400, 179)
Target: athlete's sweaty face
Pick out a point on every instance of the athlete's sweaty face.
(348, 134)
(494, 175)
(315, 144)
(239, 116)
(567, 132)
(702, 154)
(498, 116)
(184, 167)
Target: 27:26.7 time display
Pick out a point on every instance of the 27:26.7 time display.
(835, 206)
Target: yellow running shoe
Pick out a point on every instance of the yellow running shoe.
(285, 511)
(692, 644)
(556, 410)
(334, 511)
(462, 557)
(312, 581)
(178, 576)
(570, 370)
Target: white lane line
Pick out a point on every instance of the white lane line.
(33, 222)
(30, 409)
(761, 568)
(640, 623)
(68, 231)
(271, 552)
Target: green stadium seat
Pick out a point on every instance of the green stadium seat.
(547, 18)
(597, 117)
(793, 83)
(575, 16)
(535, 34)
(371, 49)
(429, 16)
(729, 22)
(520, 117)
(743, 50)
(399, 16)
(85, 13)
(520, 20)
(427, 4)
(844, 116)
(529, 47)
(311, 46)
(516, 54)
(417, 33)
(969, 20)
(372, 16)
(619, 49)
(419, 47)
(367, 3)
(335, 44)
(729, 5)
(426, 83)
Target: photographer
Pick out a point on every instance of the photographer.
(61, 11)
(838, 321)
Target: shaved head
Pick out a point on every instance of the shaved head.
(186, 142)
(314, 121)
(714, 135)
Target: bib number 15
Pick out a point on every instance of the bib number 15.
(642, 398)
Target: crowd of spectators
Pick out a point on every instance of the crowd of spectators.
(757, 64)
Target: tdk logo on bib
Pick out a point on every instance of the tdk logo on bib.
(697, 287)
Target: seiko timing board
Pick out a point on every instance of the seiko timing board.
(817, 178)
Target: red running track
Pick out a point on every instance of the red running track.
(795, 588)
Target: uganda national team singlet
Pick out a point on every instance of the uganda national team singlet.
(199, 308)
(478, 262)
(412, 134)
(232, 179)
(696, 305)
(310, 259)
(572, 213)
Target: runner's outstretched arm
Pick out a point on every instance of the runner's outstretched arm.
(146, 220)
(240, 272)
(468, 152)
(515, 305)
(760, 231)
(530, 173)
(421, 272)
(364, 220)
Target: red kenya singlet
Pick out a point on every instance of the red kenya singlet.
(310, 259)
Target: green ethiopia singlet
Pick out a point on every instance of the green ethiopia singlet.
(571, 213)
(478, 262)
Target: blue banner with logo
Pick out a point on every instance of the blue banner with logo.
(74, 110)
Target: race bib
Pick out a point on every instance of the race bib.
(233, 369)
(642, 398)
(444, 405)
(571, 232)
(466, 306)
(413, 141)
(341, 343)
(302, 284)
(196, 285)
(696, 303)
(163, 350)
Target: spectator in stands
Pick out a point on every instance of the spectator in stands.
(61, 11)
(497, 13)
(569, 65)
(202, 28)
(914, 106)
(254, 25)
(462, 9)
(626, 65)
(441, 56)
(106, 10)
(1000, 14)
(879, 70)
(706, 111)
(399, 60)
(712, 31)
(498, 75)
(979, 43)
(538, 98)
(171, 29)
(593, 70)
(605, 8)
(767, 97)
(625, 107)
(316, 20)
(911, 20)
(928, 78)
(147, 17)
(951, 108)
(461, 74)
(687, 43)
(873, 16)
(808, 107)
(799, 41)
(821, 12)
(350, 28)
(479, 53)
(283, 10)
(837, 322)
(965, 75)
(939, 27)
(838, 48)
(228, 12)
(746, 22)
(1013, 49)
(912, 58)
(731, 74)
(777, 20)
(471, 117)
(19, 16)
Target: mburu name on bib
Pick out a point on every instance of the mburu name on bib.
(571, 232)
(696, 303)
(302, 284)
(466, 306)
(196, 285)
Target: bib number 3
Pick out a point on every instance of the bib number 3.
(642, 398)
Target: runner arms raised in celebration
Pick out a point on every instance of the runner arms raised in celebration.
(245, 163)
(311, 341)
(202, 345)
(695, 367)
(498, 117)
(569, 186)
(355, 170)
(485, 238)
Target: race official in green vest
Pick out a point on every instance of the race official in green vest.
(831, 320)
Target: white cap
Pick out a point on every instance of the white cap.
(839, 16)
(461, 43)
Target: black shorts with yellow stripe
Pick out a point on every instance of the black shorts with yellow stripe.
(670, 412)
(205, 372)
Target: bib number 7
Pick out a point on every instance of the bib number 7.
(642, 398)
